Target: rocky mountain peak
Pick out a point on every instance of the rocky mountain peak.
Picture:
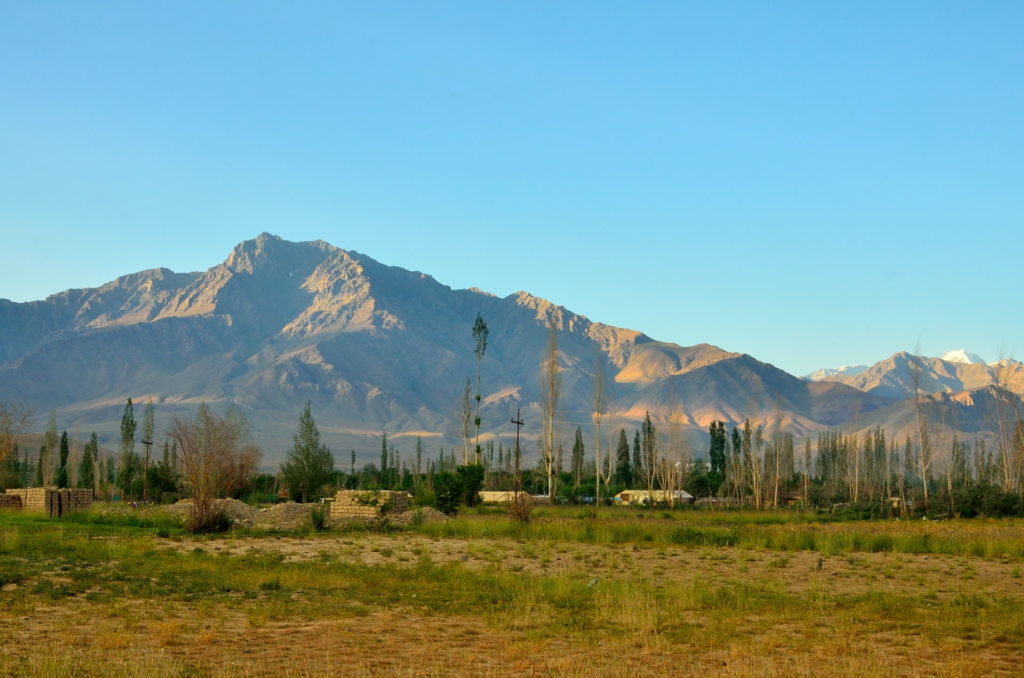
(962, 357)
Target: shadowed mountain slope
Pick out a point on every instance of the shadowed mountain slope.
(374, 348)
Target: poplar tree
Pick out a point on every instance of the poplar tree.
(50, 442)
(623, 472)
(128, 461)
(650, 455)
(87, 466)
(550, 381)
(26, 468)
(638, 463)
(62, 466)
(716, 453)
(577, 457)
(480, 333)
(39, 467)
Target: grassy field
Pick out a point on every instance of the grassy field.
(638, 592)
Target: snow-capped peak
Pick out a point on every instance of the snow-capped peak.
(826, 372)
(961, 356)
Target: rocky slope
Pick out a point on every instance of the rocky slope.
(377, 348)
(955, 372)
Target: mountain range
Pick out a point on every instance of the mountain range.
(956, 371)
(377, 348)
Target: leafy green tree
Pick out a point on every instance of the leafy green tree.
(310, 465)
(623, 471)
(10, 470)
(716, 452)
(128, 462)
(471, 478)
(87, 466)
(62, 466)
(448, 492)
(650, 454)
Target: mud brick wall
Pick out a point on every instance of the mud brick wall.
(368, 503)
(51, 501)
(10, 502)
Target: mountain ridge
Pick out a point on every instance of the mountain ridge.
(374, 348)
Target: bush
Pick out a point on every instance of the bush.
(520, 506)
(448, 492)
(472, 478)
(318, 517)
(424, 497)
(214, 521)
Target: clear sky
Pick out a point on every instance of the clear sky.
(813, 183)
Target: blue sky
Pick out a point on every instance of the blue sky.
(813, 183)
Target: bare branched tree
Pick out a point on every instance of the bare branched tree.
(14, 419)
(550, 386)
(1006, 417)
(924, 457)
(215, 454)
(466, 420)
(598, 414)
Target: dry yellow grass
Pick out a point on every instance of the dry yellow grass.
(407, 604)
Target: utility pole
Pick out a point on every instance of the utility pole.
(148, 442)
(518, 421)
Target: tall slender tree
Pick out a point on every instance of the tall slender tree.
(43, 463)
(638, 462)
(550, 387)
(480, 333)
(577, 458)
(623, 470)
(50, 442)
(466, 421)
(87, 465)
(128, 462)
(598, 414)
(716, 452)
(650, 455)
(62, 465)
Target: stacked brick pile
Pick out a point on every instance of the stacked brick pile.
(51, 501)
(10, 501)
(368, 503)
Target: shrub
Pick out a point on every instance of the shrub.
(318, 517)
(448, 492)
(472, 478)
(520, 506)
(211, 521)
